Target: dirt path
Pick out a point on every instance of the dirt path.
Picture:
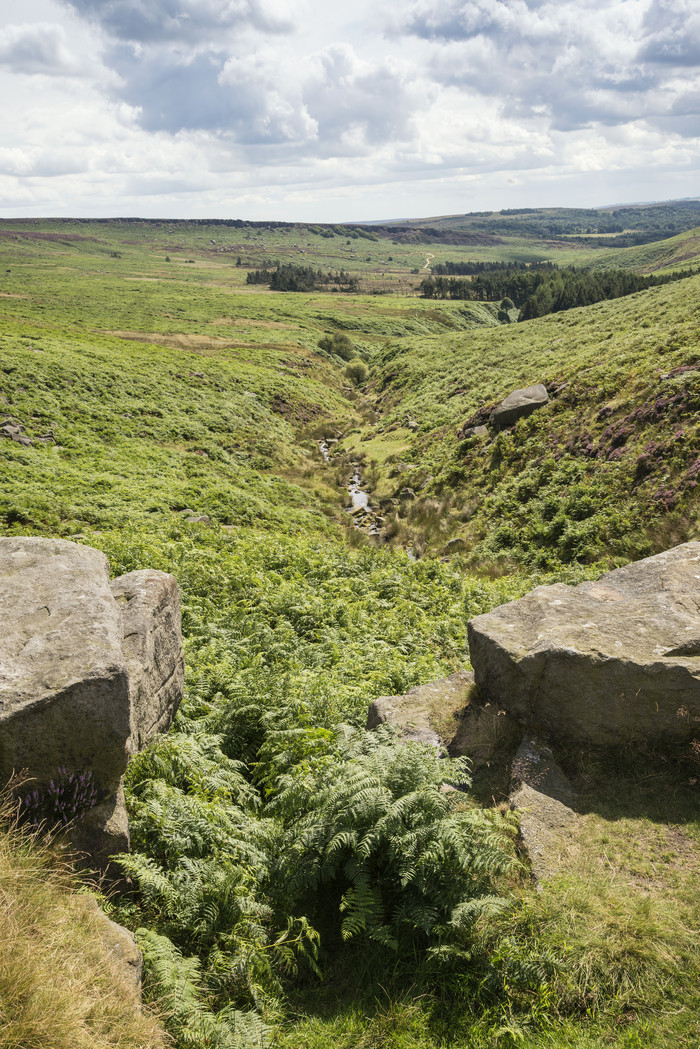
(427, 261)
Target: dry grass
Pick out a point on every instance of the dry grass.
(59, 988)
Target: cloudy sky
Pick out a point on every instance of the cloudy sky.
(306, 109)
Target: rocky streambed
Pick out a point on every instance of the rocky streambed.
(364, 517)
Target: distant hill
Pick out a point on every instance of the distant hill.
(655, 221)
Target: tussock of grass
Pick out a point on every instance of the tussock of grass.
(59, 989)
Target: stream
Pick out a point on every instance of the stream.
(363, 516)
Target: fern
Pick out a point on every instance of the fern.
(402, 856)
(176, 983)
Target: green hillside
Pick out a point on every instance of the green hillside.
(654, 220)
(672, 253)
(296, 879)
(608, 469)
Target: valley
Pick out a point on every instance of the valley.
(159, 407)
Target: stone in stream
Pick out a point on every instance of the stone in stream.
(517, 405)
(608, 662)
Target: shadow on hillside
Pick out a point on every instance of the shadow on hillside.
(623, 783)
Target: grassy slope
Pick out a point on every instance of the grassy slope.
(608, 469)
(59, 987)
(674, 253)
(280, 598)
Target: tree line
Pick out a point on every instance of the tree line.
(536, 291)
(473, 268)
(290, 277)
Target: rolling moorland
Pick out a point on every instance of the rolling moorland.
(298, 880)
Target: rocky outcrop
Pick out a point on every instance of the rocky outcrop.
(86, 677)
(517, 405)
(607, 662)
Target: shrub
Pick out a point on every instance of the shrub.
(403, 861)
(338, 344)
(357, 372)
(67, 799)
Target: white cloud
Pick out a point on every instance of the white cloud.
(38, 48)
(187, 21)
(672, 33)
(270, 107)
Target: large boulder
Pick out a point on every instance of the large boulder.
(76, 696)
(64, 687)
(517, 405)
(607, 662)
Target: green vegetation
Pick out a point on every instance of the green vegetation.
(289, 277)
(543, 288)
(639, 222)
(607, 470)
(298, 880)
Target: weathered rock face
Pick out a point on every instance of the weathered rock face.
(517, 405)
(423, 713)
(64, 689)
(541, 795)
(152, 647)
(74, 690)
(609, 662)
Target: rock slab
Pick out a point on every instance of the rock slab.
(419, 712)
(607, 662)
(542, 796)
(517, 405)
(76, 694)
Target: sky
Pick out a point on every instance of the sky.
(306, 110)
